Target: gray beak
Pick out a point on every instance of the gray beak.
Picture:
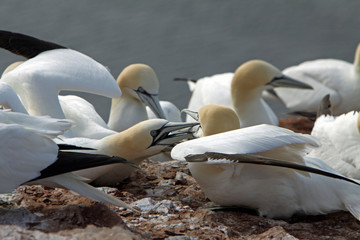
(170, 134)
(288, 82)
(152, 101)
(191, 113)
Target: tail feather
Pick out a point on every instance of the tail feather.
(72, 182)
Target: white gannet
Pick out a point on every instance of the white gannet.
(247, 85)
(340, 142)
(140, 87)
(50, 69)
(338, 78)
(264, 167)
(86, 121)
(30, 156)
(136, 143)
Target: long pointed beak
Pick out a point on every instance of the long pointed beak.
(288, 82)
(152, 101)
(193, 114)
(168, 134)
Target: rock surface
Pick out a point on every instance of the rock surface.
(172, 207)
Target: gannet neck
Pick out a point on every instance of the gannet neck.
(126, 112)
(357, 60)
(253, 112)
(216, 118)
(39, 80)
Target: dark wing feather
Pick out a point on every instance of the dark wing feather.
(23, 45)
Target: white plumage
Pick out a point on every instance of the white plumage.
(26, 150)
(274, 191)
(340, 142)
(338, 78)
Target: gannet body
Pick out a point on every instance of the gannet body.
(87, 122)
(338, 78)
(30, 156)
(264, 167)
(340, 142)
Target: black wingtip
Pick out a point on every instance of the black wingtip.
(24, 45)
(260, 160)
(74, 161)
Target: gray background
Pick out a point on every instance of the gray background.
(188, 38)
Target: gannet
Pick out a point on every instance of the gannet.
(264, 167)
(340, 142)
(136, 143)
(247, 85)
(30, 156)
(50, 69)
(213, 119)
(139, 85)
(338, 78)
(86, 121)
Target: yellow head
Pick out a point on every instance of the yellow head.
(138, 75)
(251, 78)
(217, 119)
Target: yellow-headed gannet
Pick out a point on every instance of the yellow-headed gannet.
(136, 143)
(140, 87)
(30, 156)
(264, 167)
(247, 85)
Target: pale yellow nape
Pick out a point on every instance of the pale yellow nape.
(358, 123)
(250, 77)
(130, 143)
(136, 75)
(357, 59)
(216, 118)
(11, 67)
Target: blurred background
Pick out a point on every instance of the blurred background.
(188, 38)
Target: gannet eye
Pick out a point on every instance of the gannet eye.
(153, 133)
(140, 89)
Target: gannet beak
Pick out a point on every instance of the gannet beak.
(288, 82)
(167, 136)
(193, 114)
(151, 100)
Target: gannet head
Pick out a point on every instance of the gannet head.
(139, 81)
(256, 75)
(146, 138)
(216, 118)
